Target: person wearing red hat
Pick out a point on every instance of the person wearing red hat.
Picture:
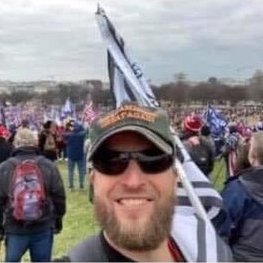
(192, 124)
(198, 148)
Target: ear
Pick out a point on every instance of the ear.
(91, 193)
(91, 176)
(91, 186)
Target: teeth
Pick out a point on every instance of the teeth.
(133, 201)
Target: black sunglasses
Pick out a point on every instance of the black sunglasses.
(151, 161)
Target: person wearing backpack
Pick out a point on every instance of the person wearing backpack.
(201, 152)
(32, 201)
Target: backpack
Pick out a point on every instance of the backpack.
(50, 143)
(27, 190)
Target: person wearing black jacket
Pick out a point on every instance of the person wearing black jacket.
(201, 151)
(5, 146)
(35, 236)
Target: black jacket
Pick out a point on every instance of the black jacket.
(5, 149)
(55, 193)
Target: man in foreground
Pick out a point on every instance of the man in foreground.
(133, 182)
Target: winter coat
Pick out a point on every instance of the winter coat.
(75, 142)
(54, 189)
(5, 149)
(243, 223)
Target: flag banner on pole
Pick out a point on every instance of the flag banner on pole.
(88, 114)
(194, 190)
(120, 64)
(215, 120)
(67, 110)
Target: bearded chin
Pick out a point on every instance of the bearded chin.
(141, 234)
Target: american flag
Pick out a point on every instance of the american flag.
(88, 113)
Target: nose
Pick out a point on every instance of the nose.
(133, 176)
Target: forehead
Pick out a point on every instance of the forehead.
(128, 140)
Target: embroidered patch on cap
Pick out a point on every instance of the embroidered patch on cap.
(125, 112)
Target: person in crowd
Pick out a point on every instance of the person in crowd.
(242, 161)
(25, 123)
(5, 147)
(61, 145)
(132, 186)
(12, 130)
(206, 135)
(48, 140)
(32, 201)
(229, 152)
(201, 152)
(242, 226)
(75, 139)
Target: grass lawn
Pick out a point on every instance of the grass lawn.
(219, 173)
(79, 221)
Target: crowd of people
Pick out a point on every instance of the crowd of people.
(130, 155)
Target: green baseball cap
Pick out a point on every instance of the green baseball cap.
(153, 123)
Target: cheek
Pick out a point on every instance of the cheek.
(165, 183)
(102, 184)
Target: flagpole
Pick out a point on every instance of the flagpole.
(194, 199)
(207, 112)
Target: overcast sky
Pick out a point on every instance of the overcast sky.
(60, 40)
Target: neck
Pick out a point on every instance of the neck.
(161, 253)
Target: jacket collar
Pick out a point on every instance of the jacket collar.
(25, 150)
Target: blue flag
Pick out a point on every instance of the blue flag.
(216, 121)
(67, 110)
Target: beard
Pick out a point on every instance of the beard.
(140, 234)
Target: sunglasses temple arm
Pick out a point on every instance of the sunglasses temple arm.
(194, 199)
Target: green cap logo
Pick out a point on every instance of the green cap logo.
(153, 123)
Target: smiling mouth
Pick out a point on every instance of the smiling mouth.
(133, 201)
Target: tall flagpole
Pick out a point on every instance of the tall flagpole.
(194, 199)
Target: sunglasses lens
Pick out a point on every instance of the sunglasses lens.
(111, 162)
(154, 162)
(109, 167)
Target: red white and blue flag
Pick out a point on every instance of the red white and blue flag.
(88, 113)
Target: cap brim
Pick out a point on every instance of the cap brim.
(152, 137)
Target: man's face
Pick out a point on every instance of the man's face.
(134, 208)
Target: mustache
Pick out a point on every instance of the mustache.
(143, 192)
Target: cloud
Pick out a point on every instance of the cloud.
(40, 38)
